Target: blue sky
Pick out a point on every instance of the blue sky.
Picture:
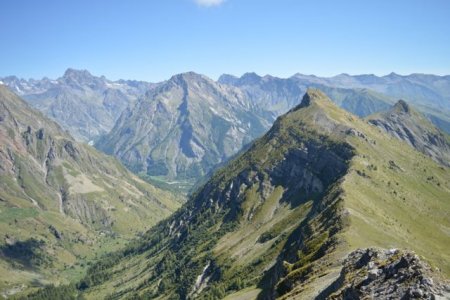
(152, 40)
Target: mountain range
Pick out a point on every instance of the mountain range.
(177, 131)
(359, 94)
(85, 105)
(278, 220)
(62, 202)
(188, 125)
(303, 188)
(98, 102)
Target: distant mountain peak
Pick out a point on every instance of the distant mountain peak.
(343, 75)
(298, 74)
(393, 75)
(250, 75)
(71, 73)
(188, 77)
(201, 123)
(79, 77)
(250, 78)
(227, 79)
(85, 104)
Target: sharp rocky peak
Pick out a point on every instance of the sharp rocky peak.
(311, 96)
(80, 77)
(188, 77)
(402, 106)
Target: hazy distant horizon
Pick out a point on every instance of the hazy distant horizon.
(216, 78)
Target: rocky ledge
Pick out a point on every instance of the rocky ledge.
(387, 274)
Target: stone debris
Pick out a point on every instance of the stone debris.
(388, 274)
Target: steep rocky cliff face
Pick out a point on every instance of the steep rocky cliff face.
(181, 129)
(405, 123)
(63, 194)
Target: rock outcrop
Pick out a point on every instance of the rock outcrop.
(387, 274)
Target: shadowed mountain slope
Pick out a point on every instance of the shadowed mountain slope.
(61, 201)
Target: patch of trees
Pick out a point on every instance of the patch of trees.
(29, 253)
(66, 292)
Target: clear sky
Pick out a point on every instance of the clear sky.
(154, 39)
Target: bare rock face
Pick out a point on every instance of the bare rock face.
(183, 128)
(387, 274)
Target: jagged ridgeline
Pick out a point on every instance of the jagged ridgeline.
(62, 202)
(360, 94)
(84, 104)
(278, 95)
(278, 220)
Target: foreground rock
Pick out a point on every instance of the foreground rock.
(387, 274)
